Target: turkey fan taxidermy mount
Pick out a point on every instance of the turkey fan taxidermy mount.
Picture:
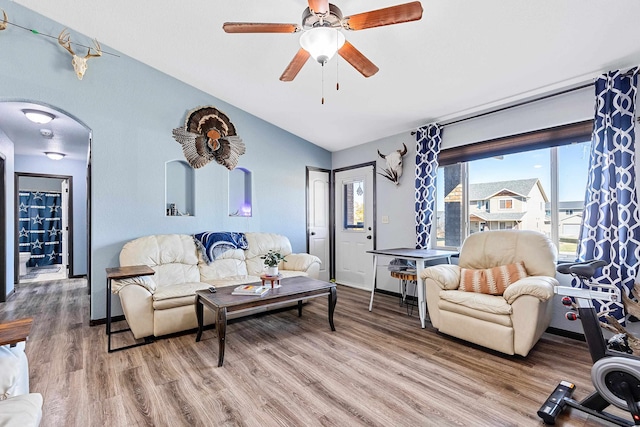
(321, 37)
(209, 135)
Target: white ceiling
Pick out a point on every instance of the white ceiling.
(462, 57)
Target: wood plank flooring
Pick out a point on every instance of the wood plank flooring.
(377, 369)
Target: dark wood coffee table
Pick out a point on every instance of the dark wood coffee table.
(291, 289)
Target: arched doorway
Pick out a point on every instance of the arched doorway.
(69, 139)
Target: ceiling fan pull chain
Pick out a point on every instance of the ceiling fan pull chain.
(323, 83)
(337, 68)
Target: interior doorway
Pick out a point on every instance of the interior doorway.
(44, 227)
(319, 218)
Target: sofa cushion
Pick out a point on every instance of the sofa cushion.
(492, 281)
(259, 245)
(21, 411)
(477, 301)
(500, 247)
(230, 263)
(10, 367)
(173, 256)
(447, 307)
(178, 290)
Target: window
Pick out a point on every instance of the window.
(506, 204)
(353, 215)
(540, 187)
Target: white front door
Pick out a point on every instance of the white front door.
(354, 226)
(318, 219)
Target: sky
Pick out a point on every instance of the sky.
(573, 163)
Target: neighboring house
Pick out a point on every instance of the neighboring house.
(569, 219)
(504, 205)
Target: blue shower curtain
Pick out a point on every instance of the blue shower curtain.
(40, 227)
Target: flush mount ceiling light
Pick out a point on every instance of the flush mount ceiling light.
(53, 155)
(40, 117)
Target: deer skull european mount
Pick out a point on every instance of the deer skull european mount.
(393, 171)
(79, 64)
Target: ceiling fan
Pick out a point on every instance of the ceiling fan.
(321, 37)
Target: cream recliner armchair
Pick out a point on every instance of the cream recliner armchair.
(512, 322)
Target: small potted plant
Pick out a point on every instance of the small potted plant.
(271, 261)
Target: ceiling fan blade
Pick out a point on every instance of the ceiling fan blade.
(257, 27)
(390, 15)
(357, 60)
(319, 6)
(295, 65)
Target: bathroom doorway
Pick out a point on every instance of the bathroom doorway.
(44, 227)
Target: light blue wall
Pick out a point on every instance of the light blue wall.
(131, 109)
(6, 152)
(78, 171)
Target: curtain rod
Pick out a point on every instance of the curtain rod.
(631, 71)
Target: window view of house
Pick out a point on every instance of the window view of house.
(353, 206)
(515, 191)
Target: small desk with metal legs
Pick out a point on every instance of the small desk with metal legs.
(118, 273)
(420, 256)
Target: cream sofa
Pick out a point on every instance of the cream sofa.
(18, 407)
(510, 323)
(164, 303)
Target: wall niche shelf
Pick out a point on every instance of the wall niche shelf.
(179, 185)
(240, 200)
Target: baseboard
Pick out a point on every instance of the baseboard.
(567, 334)
(77, 276)
(103, 321)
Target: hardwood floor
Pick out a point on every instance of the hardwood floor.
(377, 369)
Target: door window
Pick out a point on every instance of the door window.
(353, 215)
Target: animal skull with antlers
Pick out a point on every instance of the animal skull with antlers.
(79, 64)
(393, 171)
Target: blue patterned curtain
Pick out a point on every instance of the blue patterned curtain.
(611, 226)
(40, 227)
(428, 139)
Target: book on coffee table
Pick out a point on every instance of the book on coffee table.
(250, 290)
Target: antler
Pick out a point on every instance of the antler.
(96, 47)
(3, 24)
(64, 39)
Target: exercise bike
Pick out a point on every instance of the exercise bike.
(615, 373)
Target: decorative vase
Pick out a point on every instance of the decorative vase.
(272, 271)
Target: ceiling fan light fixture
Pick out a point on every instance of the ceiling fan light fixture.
(322, 43)
(37, 116)
(54, 155)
